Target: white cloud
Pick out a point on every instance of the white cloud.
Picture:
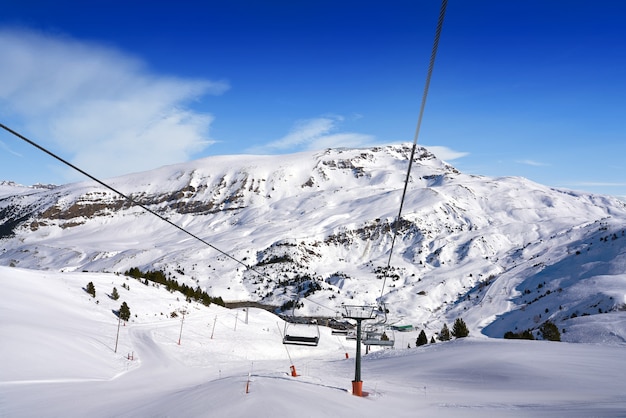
(532, 163)
(317, 133)
(599, 184)
(102, 108)
(8, 149)
(445, 153)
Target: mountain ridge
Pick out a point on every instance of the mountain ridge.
(318, 227)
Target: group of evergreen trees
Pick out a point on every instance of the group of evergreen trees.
(523, 335)
(157, 276)
(459, 330)
(123, 312)
(549, 331)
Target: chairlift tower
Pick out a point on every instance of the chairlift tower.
(359, 313)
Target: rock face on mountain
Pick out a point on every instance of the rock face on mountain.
(315, 230)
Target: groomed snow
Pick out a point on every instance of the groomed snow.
(57, 359)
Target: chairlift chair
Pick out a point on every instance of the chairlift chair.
(379, 336)
(351, 335)
(301, 334)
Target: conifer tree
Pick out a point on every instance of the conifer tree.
(550, 332)
(459, 329)
(421, 339)
(124, 312)
(114, 294)
(432, 339)
(91, 289)
(444, 334)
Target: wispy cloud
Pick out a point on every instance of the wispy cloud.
(445, 153)
(532, 163)
(102, 108)
(317, 133)
(600, 184)
(9, 150)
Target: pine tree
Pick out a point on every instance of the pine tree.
(421, 339)
(432, 339)
(91, 289)
(444, 334)
(459, 330)
(124, 312)
(550, 332)
(114, 294)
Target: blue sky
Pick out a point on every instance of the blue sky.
(528, 88)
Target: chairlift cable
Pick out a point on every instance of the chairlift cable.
(442, 13)
(394, 225)
(134, 202)
(130, 199)
(319, 304)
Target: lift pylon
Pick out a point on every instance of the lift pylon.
(359, 313)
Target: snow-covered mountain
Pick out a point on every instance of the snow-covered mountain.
(505, 254)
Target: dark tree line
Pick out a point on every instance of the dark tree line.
(523, 335)
(548, 330)
(190, 293)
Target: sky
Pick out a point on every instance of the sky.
(520, 88)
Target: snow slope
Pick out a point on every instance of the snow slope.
(57, 359)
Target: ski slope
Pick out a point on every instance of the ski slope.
(57, 359)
